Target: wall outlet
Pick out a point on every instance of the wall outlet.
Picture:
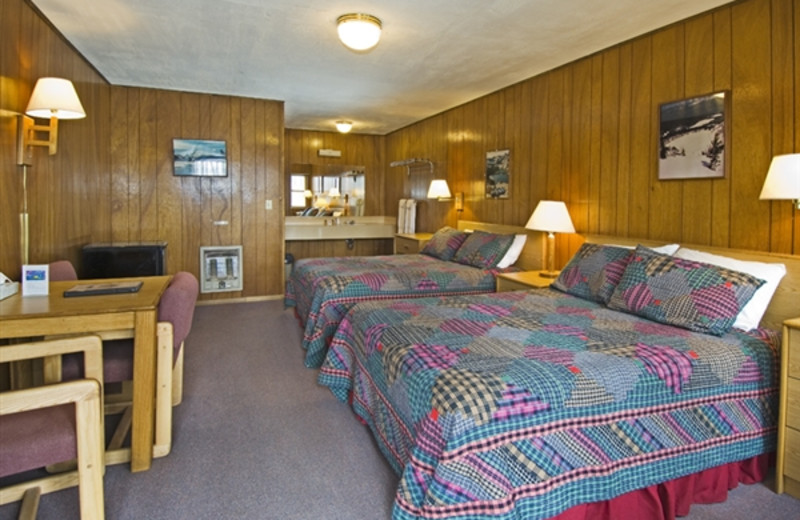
(268, 204)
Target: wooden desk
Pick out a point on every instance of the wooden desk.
(30, 316)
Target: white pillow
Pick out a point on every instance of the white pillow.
(668, 249)
(513, 252)
(750, 316)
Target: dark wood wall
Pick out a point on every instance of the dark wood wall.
(67, 192)
(586, 133)
(111, 179)
(149, 203)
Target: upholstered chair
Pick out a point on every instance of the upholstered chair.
(50, 424)
(62, 270)
(175, 315)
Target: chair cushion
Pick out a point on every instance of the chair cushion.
(37, 438)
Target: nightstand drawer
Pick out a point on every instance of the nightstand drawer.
(794, 353)
(793, 403)
(792, 452)
(410, 243)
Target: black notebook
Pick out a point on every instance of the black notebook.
(92, 289)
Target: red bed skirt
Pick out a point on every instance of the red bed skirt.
(674, 498)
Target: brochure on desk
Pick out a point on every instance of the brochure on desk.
(93, 289)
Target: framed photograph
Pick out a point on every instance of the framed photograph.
(497, 174)
(691, 140)
(35, 279)
(198, 158)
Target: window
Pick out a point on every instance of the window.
(298, 185)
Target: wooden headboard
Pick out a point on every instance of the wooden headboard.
(531, 257)
(785, 303)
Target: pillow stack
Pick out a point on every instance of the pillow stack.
(479, 249)
(692, 289)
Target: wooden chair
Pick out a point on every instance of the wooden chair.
(175, 315)
(48, 424)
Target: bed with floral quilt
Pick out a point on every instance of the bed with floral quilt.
(542, 404)
(322, 290)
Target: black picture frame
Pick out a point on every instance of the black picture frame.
(692, 137)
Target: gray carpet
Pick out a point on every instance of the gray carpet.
(257, 438)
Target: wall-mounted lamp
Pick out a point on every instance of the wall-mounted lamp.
(783, 179)
(551, 217)
(359, 31)
(54, 99)
(410, 162)
(344, 126)
(439, 190)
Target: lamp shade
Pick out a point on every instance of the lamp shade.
(551, 216)
(783, 178)
(334, 192)
(55, 97)
(359, 31)
(439, 189)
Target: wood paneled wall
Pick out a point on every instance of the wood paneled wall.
(149, 203)
(357, 150)
(586, 133)
(66, 201)
(111, 179)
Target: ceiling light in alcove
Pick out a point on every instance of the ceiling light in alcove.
(359, 31)
(344, 126)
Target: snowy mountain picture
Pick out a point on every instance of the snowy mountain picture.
(692, 138)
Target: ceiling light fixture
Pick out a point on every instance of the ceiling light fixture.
(359, 31)
(344, 126)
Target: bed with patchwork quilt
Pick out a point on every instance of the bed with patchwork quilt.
(529, 405)
(322, 290)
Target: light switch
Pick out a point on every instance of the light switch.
(268, 204)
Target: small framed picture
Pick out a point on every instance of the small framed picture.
(692, 137)
(497, 174)
(35, 280)
(199, 158)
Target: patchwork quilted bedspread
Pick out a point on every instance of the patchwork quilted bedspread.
(322, 290)
(522, 404)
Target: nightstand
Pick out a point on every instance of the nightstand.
(410, 243)
(521, 281)
(787, 473)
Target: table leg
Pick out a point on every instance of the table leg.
(144, 368)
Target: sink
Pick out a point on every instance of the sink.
(314, 228)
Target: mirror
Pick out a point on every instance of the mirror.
(326, 190)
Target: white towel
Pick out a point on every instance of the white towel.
(411, 216)
(401, 216)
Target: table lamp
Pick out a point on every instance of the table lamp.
(552, 217)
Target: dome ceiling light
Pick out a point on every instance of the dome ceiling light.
(359, 31)
(344, 126)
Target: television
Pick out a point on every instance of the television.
(124, 259)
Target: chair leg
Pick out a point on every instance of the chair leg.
(30, 503)
(177, 378)
(91, 464)
(164, 384)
